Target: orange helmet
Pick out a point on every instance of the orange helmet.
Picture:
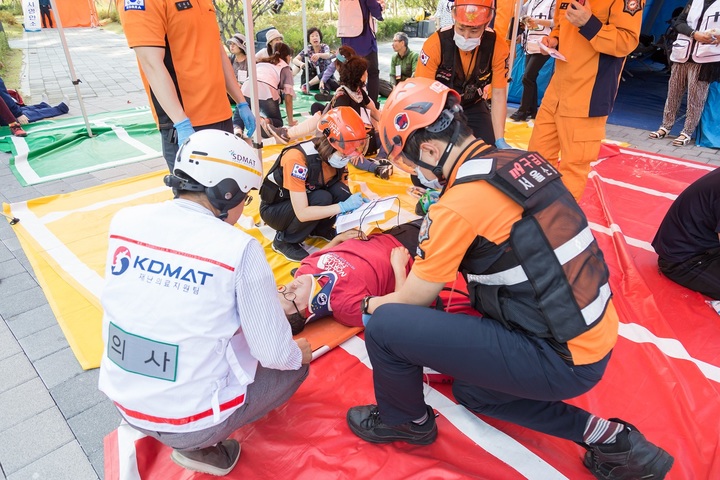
(345, 130)
(413, 104)
(474, 12)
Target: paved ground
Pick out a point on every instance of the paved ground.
(52, 418)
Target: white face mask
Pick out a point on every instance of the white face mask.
(337, 160)
(466, 44)
(434, 183)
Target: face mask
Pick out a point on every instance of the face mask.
(434, 183)
(337, 160)
(466, 44)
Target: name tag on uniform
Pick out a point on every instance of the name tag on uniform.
(134, 5)
(183, 5)
(242, 76)
(141, 355)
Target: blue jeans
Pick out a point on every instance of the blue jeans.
(43, 110)
(500, 373)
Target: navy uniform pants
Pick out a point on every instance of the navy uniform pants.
(498, 372)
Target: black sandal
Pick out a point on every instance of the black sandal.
(659, 133)
(384, 169)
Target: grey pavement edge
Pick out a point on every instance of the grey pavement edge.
(52, 417)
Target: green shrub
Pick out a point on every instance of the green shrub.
(7, 18)
(389, 27)
(14, 7)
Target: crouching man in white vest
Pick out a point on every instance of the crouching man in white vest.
(196, 342)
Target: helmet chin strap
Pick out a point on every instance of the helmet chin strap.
(437, 169)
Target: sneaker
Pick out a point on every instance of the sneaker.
(218, 460)
(292, 251)
(279, 133)
(520, 116)
(44, 98)
(17, 130)
(365, 422)
(323, 96)
(630, 457)
(384, 169)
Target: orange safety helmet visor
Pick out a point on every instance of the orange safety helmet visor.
(413, 104)
(474, 12)
(345, 130)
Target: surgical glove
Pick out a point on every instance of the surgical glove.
(184, 129)
(352, 203)
(244, 112)
(502, 144)
(366, 318)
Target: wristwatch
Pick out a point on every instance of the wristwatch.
(365, 304)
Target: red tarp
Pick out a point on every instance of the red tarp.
(663, 377)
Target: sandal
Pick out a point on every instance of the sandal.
(682, 140)
(659, 133)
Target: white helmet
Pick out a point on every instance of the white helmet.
(217, 163)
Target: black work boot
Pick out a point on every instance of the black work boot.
(630, 457)
(365, 422)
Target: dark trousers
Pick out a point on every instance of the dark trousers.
(269, 109)
(45, 14)
(480, 121)
(701, 273)
(373, 82)
(281, 216)
(43, 110)
(533, 64)
(498, 372)
(169, 139)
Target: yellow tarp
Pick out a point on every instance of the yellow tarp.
(65, 239)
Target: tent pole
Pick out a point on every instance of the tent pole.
(306, 66)
(513, 36)
(73, 76)
(252, 74)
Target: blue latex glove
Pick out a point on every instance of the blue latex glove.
(243, 111)
(184, 129)
(353, 202)
(366, 318)
(502, 144)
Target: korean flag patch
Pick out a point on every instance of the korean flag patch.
(424, 58)
(299, 171)
(134, 5)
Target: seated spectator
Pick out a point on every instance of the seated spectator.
(403, 63)
(272, 37)
(188, 362)
(317, 58)
(31, 113)
(688, 240)
(274, 79)
(352, 93)
(334, 280)
(328, 83)
(238, 56)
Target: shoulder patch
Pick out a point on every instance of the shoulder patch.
(134, 5)
(633, 6)
(299, 171)
(424, 58)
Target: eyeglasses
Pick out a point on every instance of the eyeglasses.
(290, 297)
(248, 200)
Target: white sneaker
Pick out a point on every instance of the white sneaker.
(45, 98)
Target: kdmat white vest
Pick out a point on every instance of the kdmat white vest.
(174, 358)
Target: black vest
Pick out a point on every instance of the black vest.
(549, 278)
(272, 190)
(450, 71)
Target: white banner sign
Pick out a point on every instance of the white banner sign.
(31, 10)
